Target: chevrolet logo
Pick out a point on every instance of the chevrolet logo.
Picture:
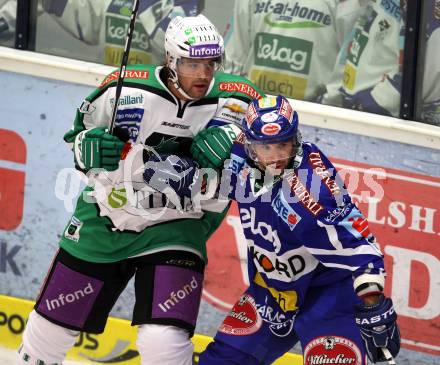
(236, 108)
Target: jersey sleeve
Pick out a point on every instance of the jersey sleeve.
(94, 111)
(339, 236)
(346, 13)
(238, 38)
(81, 18)
(344, 241)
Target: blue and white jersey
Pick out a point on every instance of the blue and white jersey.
(302, 229)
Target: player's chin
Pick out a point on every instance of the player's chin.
(276, 168)
(198, 91)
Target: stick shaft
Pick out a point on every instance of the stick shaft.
(124, 63)
(388, 356)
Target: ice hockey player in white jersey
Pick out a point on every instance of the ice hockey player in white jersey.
(368, 73)
(104, 22)
(110, 237)
(288, 47)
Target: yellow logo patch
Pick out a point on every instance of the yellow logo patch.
(113, 56)
(286, 300)
(349, 77)
(236, 108)
(117, 198)
(267, 102)
(279, 84)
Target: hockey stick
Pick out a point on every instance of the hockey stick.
(124, 62)
(388, 356)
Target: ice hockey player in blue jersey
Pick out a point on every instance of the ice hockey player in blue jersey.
(316, 273)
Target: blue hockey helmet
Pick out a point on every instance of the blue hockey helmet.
(270, 119)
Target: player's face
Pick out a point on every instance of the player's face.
(195, 75)
(274, 156)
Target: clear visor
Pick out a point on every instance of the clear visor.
(198, 67)
(276, 155)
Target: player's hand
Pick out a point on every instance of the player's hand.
(163, 172)
(212, 146)
(378, 328)
(96, 148)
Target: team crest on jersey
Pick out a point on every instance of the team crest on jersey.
(285, 211)
(332, 350)
(243, 319)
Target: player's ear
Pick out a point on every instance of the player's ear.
(167, 60)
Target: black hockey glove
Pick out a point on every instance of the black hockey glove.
(163, 172)
(378, 328)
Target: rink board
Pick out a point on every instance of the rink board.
(116, 345)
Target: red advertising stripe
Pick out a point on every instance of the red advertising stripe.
(12, 149)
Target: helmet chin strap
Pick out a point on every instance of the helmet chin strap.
(175, 80)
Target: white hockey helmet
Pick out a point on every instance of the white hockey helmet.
(191, 37)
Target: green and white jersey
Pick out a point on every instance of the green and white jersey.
(104, 23)
(119, 218)
(369, 64)
(288, 47)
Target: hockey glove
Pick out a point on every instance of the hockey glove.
(378, 328)
(163, 172)
(96, 148)
(212, 146)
